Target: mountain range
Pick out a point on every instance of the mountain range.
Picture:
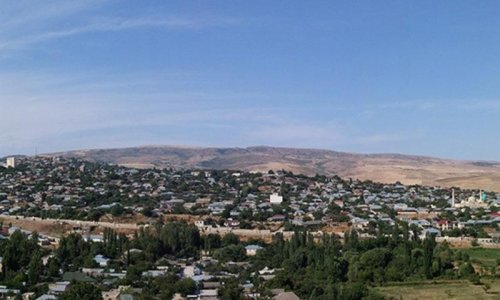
(388, 168)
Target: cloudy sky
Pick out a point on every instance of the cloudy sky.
(417, 77)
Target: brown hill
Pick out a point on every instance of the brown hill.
(388, 168)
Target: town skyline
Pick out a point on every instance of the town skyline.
(116, 232)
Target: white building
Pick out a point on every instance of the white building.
(472, 202)
(252, 250)
(154, 273)
(58, 287)
(11, 162)
(191, 271)
(208, 294)
(400, 206)
(101, 260)
(276, 199)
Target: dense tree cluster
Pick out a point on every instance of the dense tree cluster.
(176, 239)
(323, 268)
(315, 267)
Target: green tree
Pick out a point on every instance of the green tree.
(371, 266)
(117, 210)
(230, 253)
(230, 239)
(52, 267)
(231, 291)
(35, 267)
(212, 242)
(429, 245)
(466, 270)
(353, 291)
(185, 286)
(82, 291)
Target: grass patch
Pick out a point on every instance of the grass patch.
(484, 256)
(457, 289)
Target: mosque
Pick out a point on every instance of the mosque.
(471, 202)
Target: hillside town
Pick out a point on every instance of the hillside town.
(217, 229)
(72, 189)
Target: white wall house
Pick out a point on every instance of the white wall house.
(252, 250)
(276, 199)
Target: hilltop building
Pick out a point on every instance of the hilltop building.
(11, 162)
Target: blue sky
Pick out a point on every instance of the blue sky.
(417, 77)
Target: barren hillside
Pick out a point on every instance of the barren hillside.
(378, 167)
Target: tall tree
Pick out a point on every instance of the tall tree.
(429, 245)
(35, 267)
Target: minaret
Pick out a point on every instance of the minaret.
(452, 198)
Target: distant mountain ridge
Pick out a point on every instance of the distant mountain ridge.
(408, 169)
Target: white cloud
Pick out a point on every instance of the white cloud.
(114, 24)
(479, 105)
(42, 108)
(65, 111)
(19, 14)
(412, 105)
(29, 23)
